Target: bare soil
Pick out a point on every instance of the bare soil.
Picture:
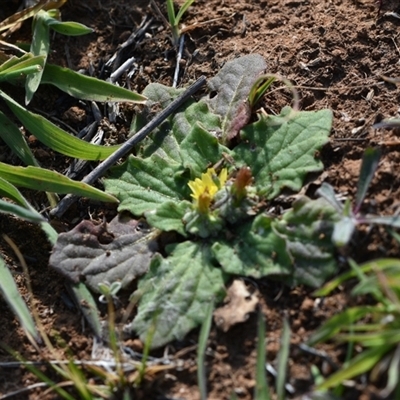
(336, 52)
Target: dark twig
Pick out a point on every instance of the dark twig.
(100, 170)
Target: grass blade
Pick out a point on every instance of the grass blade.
(87, 88)
(262, 390)
(283, 357)
(201, 351)
(56, 138)
(14, 139)
(29, 215)
(50, 181)
(357, 366)
(10, 293)
(88, 306)
(40, 46)
(369, 165)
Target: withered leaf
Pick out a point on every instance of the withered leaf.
(239, 303)
(118, 251)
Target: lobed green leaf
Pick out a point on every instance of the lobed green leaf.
(254, 249)
(281, 149)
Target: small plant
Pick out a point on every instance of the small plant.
(186, 179)
(174, 19)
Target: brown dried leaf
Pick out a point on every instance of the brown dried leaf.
(239, 303)
(118, 251)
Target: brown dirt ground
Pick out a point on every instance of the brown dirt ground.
(336, 51)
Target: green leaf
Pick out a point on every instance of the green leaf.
(50, 181)
(11, 295)
(56, 138)
(168, 216)
(199, 150)
(280, 150)
(176, 293)
(14, 139)
(87, 88)
(166, 139)
(143, 185)
(307, 229)
(254, 249)
(233, 84)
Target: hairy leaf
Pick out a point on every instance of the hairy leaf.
(169, 216)
(307, 230)
(232, 85)
(175, 293)
(143, 185)
(118, 251)
(254, 249)
(280, 150)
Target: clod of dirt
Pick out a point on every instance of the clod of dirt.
(239, 304)
(118, 251)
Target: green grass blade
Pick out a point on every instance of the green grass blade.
(201, 351)
(40, 46)
(10, 191)
(87, 88)
(380, 264)
(338, 322)
(261, 391)
(357, 366)
(10, 293)
(56, 138)
(15, 67)
(50, 181)
(29, 215)
(369, 165)
(68, 28)
(14, 139)
(88, 306)
(283, 357)
(182, 10)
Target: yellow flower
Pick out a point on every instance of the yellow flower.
(204, 189)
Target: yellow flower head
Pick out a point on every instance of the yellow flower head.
(204, 189)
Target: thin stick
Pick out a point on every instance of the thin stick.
(100, 170)
(178, 60)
